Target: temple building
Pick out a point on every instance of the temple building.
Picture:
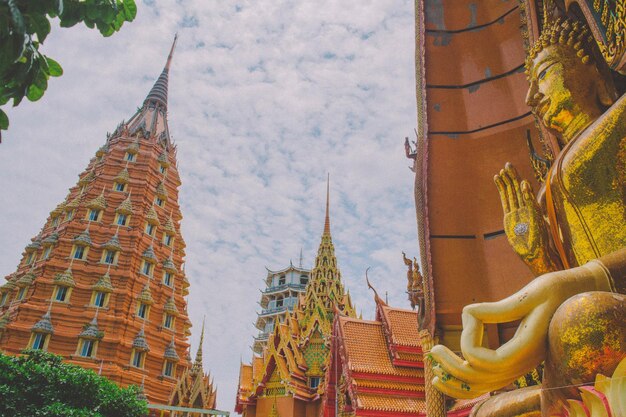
(377, 367)
(287, 379)
(103, 283)
(283, 288)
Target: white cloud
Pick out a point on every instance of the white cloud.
(266, 97)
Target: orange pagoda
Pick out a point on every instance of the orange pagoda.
(287, 379)
(103, 283)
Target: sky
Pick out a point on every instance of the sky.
(265, 98)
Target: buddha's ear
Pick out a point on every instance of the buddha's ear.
(607, 94)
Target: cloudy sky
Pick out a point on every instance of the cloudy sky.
(266, 97)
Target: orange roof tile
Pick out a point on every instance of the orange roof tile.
(245, 377)
(367, 350)
(403, 324)
(401, 386)
(391, 403)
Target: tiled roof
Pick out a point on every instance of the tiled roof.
(149, 254)
(98, 203)
(401, 404)
(152, 217)
(133, 148)
(44, 325)
(65, 278)
(123, 176)
(161, 191)
(26, 280)
(170, 306)
(52, 239)
(83, 238)
(73, 204)
(126, 207)
(91, 331)
(170, 352)
(367, 349)
(169, 226)
(404, 326)
(139, 342)
(113, 243)
(392, 385)
(245, 377)
(146, 295)
(104, 284)
(168, 265)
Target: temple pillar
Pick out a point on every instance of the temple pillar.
(435, 400)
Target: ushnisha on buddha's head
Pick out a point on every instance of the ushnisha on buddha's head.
(568, 89)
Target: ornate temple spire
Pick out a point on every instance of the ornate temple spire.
(197, 365)
(327, 219)
(158, 94)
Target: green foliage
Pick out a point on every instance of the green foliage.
(25, 24)
(39, 384)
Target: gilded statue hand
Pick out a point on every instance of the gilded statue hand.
(484, 369)
(524, 224)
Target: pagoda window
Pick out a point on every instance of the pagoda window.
(38, 341)
(279, 302)
(79, 252)
(122, 219)
(304, 279)
(55, 221)
(21, 293)
(314, 382)
(150, 229)
(30, 258)
(3, 298)
(119, 186)
(87, 348)
(62, 293)
(94, 215)
(143, 310)
(46, 252)
(163, 169)
(168, 278)
(168, 239)
(69, 215)
(282, 280)
(168, 321)
(109, 256)
(159, 201)
(169, 368)
(99, 299)
(147, 268)
(138, 358)
(130, 157)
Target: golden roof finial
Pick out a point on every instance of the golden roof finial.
(327, 220)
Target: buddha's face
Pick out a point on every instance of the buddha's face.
(564, 92)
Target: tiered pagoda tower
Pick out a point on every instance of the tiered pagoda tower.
(103, 283)
(288, 378)
(279, 298)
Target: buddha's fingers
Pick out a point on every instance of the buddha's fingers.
(512, 308)
(461, 369)
(528, 194)
(516, 181)
(478, 381)
(524, 351)
(502, 191)
(510, 190)
(455, 391)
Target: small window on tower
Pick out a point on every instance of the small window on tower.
(55, 221)
(167, 278)
(38, 341)
(30, 258)
(109, 256)
(279, 302)
(99, 299)
(87, 348)
(282, 280)
(168, 321)
(69, 215)
(147, 268)
(122, 219)
(62, 294)
(169, 368)
(304, 279)
(150, 229)
(142, 310)
(119, 186)
(93, 215)
(130, 157)
(168, 239)
(138, 358)
(314, 382)
(163, 169)
(46, 252)
(79, 252)
(159, 201)
(3, 298)
(21, 293)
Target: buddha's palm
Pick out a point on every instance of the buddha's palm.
(524, 223)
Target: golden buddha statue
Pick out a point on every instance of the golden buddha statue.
(572, 236)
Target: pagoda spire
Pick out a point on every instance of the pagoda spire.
(327, 219)
(197, 365)
(158, 94)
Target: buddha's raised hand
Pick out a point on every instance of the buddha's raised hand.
(483, 369)
(524, 224)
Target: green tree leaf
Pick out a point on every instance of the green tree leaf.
(54, 67)
(4, 120)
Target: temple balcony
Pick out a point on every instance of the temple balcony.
(279, 288)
